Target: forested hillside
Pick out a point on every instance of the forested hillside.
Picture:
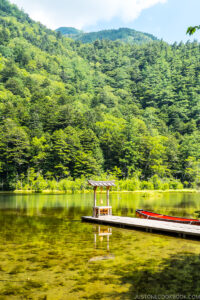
(125, 35)
(69, 109)
(69, 31)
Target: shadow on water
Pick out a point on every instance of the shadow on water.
(178, 276)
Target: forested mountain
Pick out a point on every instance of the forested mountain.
(69, 31)
(125, 35)
(69, 109)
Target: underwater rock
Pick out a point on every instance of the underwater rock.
(97, 258)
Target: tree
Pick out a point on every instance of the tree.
(14, 149)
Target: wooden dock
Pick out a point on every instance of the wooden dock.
(169, 228)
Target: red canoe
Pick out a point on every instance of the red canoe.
(153, 216)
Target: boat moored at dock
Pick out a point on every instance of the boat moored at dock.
(159, 217)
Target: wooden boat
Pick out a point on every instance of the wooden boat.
(154, 216)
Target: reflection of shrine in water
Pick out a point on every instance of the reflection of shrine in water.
(102, 233)
(101, 237)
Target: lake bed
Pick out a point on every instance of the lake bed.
(48, 253)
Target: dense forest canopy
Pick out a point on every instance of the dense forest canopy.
(69, 109)
(125, 35)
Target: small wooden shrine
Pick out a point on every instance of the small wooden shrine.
(101, 210)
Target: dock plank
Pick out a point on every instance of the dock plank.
(185, 230)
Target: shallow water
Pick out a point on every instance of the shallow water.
(46, 252)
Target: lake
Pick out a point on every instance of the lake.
(48, 253)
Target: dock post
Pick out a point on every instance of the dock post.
(107, 190)
(95, 201)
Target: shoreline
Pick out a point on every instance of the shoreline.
(49, 192)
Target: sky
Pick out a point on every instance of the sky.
(166, 19)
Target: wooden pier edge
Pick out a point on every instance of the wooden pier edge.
(151, 226)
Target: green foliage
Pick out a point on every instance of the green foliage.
(70, 110)
(146, 185)
(125, 35)
(40, 183)
(192, 29)
(68, 31)
(175, 185)
(35, 182)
